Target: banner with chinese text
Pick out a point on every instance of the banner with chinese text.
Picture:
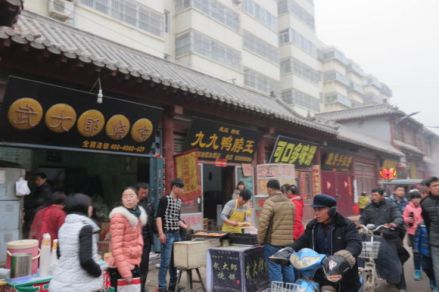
(216, 140)
(292, 151)
(186, 168)
(336, 160)
(40, 114)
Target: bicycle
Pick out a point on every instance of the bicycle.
(369, 253)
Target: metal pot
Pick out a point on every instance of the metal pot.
(21, 265)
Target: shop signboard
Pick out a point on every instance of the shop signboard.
(336, 160)
(41, 115)
(186, 168)
(221, 142)
(226, 270)
(255, 270)
(292, 151)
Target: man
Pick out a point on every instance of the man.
(235, 214)
(430, 213)
(399, 198)
(168, 227)
(332, 234)
(384, 212)
(147, 231)
(40, 197)
(276, 230)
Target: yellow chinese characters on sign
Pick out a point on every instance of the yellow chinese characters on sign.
(291, 151)
(117, 127)
(338, 160)
(91, 123)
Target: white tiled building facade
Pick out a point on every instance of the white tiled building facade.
(269, 46)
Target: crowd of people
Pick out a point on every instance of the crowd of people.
(134, 222)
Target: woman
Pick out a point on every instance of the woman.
(126, 224)
(49, 219)
(77, 268)
(292, 192)
(239, 187)
(235, 213)
(412, 218)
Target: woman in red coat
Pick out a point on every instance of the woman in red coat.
(49, 219)
(292, 193)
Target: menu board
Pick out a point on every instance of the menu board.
(226, 270)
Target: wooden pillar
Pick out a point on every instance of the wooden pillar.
(168, 149)
(261, 159)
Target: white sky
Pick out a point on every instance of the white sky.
(395, 40)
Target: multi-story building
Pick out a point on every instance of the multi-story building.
(345, 84)
(299, 64)
(269, 46)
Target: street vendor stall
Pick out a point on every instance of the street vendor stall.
(236, 268)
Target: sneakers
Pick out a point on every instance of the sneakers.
(418, 275)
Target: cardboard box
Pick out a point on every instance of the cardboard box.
(190, 254)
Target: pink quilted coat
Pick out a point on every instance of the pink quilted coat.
(126, 239)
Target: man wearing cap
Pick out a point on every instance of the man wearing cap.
(332, 234)
(382, 211)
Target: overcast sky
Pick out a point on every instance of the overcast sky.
(395, 40)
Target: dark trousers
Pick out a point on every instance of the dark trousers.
(403, 255)
(114, 276)
(144, 265)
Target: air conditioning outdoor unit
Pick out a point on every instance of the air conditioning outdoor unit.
(237, 2)
(61, 9)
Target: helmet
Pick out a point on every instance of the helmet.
(335, 265)
(282, 256)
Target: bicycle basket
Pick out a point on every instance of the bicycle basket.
(284, 287)
(370, 249)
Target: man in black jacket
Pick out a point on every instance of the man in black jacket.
(332, 234)
(147, 231)
(382, 211)
(430, 213)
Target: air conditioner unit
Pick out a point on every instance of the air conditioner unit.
(61, 9)
(237, 2)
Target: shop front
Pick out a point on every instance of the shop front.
(304, 155)
(337, 179)
(81, 145)
(225, 155)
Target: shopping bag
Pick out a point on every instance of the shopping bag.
(21, 187)
(124, 286)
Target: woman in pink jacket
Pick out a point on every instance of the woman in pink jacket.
(412, 218)
(126, 224)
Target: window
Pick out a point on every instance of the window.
(196, 42)
(334, 97)
(167, 21)
(259, 81)
(336, 76)
(297, 97)
(291, 6)
(261, 48)
(292, 65)
(212, 9)
(131, 12)
(289, 35)
(260, 14)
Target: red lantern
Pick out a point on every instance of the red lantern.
(388, 173)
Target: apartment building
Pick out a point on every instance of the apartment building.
(300, 67)
(269, 46)
(346, 85)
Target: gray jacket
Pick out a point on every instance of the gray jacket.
(382, 213)
(430, 213)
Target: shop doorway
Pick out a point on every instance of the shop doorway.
(339, 185)
(218, 186)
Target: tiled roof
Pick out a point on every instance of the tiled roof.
(58, 38)
(350, 135)
(360, 112)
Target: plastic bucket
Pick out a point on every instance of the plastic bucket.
(29, 246)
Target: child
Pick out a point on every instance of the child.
(412, 218)
(421, 243)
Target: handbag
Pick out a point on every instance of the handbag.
(124, 286)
